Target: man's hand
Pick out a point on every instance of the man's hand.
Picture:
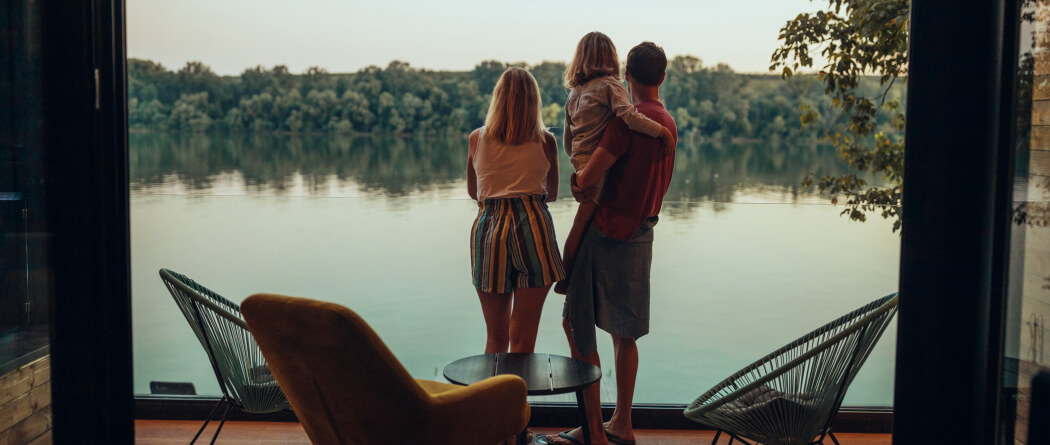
(668, 140)
(582, 195)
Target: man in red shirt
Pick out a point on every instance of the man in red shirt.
(609, 286)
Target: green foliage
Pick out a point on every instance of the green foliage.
(397, 99)
(856, 38)
(714, 101)
(188, 113)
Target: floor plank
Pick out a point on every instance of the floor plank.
(175, 432)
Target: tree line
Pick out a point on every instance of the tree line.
(401, 99)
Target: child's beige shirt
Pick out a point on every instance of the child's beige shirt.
(588, 111)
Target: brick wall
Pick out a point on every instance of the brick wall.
(25, 404)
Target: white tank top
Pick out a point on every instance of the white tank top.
(506, 171)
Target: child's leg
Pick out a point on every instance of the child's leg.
(579, 228)
(572, 242)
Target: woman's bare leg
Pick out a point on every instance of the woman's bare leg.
(496, 309)
(525, 320)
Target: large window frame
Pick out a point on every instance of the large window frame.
(952, 269)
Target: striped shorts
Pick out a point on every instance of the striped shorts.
(512, 245)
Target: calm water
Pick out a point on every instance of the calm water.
(744, 259)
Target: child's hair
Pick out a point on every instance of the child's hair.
(514, 113)
(595, 57)
(647, 62)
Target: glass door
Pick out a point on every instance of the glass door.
(1028, 287)
(25, 388)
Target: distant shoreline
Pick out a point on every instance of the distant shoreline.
(277, 133)
(406, 135)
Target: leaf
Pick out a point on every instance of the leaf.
(870, 37)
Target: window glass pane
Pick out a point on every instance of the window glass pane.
(25, 283)
(380, 224)
(349, 186)
(1027, 351)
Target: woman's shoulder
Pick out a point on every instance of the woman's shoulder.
(549, 140)
(540, 139)
(474, 140)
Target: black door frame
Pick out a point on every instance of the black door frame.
(87, 213)
(955, 238)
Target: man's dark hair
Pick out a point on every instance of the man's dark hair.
(646, 62)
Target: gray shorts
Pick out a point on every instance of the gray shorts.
(609, 286)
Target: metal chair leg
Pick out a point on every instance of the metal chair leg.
(733, 437)
(715, 440)
(223, 422)
(210, 415)
(833, 439)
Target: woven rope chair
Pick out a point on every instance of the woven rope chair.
(790, 397)
(243, 376)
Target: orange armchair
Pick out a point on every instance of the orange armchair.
(346, 386)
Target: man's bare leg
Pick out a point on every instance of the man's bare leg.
(573, 241)
(591, 396)
(626, 359)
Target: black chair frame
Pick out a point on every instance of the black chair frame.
(198, 297)
(858, 330)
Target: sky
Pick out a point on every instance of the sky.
(346, 35)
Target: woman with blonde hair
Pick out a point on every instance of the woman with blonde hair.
(596, 97)
(512, 172)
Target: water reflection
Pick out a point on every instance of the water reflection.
(378, 166)
(783, 267)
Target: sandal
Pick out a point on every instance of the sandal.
(618, 440)
(543, 439)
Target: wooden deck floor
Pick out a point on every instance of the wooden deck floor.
(171, 432)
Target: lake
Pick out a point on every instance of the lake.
(745, 260)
